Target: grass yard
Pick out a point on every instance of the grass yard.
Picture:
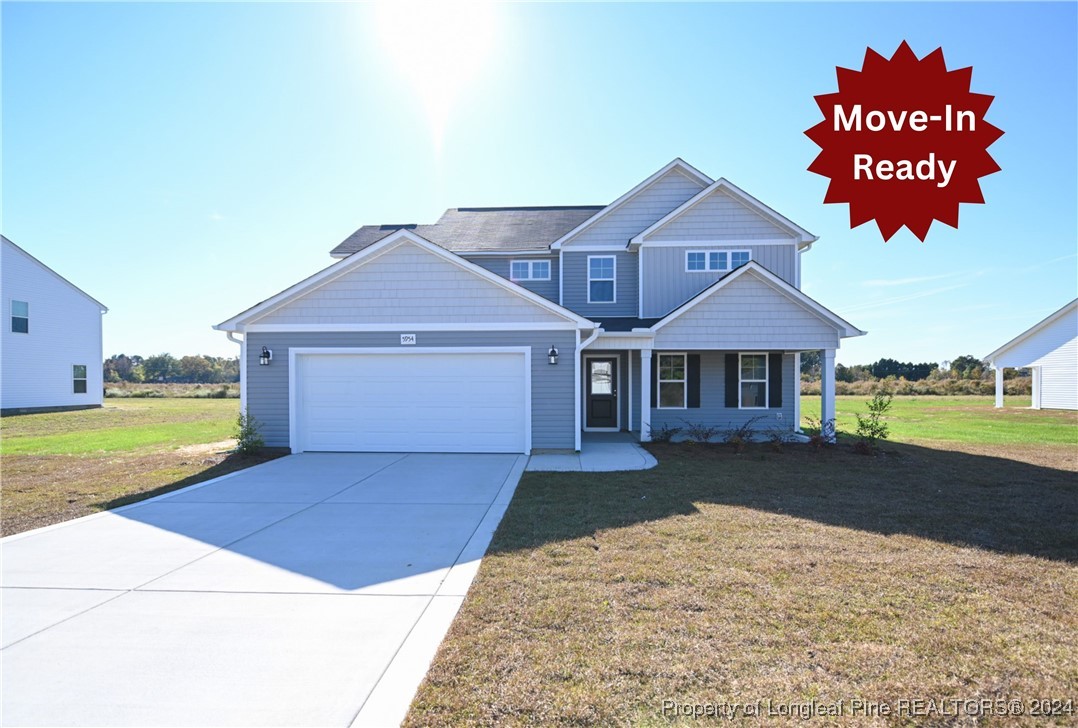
(942, 569)
(62, 465)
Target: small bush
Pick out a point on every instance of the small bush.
(777, 437)
(248, 435)
(741, 435)
(663, 433)
(871, 428)
(699, 433)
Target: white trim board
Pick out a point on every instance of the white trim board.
(1034, 329)
(295, 352)
(408, 327)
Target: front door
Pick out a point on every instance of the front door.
(602, 394)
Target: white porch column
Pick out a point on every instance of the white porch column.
(797, 392)
(999, 387)
(827, 386)
(1036, 404)
(645, 395)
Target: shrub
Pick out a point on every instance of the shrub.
(821, 433)
(699, 433)
(663, 433)
(871, 428)
(741, 435)
(777, 437)
(248, 435)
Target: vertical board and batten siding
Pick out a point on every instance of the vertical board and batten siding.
(645, 208)
(667, 284)
(719, 216)
(499, 265)
(65, 330)
(552, 393)
(408, 284)
(575, 285)
(748, 314)
(713, 410)
(1055, 350)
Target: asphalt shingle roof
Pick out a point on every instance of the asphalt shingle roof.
(483, 229)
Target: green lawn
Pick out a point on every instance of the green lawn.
(63, 465)
(941, 568)
(959, 419)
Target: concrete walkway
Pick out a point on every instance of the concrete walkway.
(599, 453)
(311, 590)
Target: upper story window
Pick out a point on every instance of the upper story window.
(529, 270)
(78, 378)
(601, 284)
(753, 381)
(20, 317)
(704, 261)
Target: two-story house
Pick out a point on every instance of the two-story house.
(520, 328)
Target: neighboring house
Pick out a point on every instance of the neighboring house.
(50, 351)
(510, 329)
(1050, 351)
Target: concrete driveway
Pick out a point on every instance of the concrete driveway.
(311, 590)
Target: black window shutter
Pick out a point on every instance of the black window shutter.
(774, 379)
(654, 380)
(692, 373)
(731, 380)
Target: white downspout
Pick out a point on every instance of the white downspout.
(578, 406)
(243, 368)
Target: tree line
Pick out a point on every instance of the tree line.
(965, 367)
(166, 369)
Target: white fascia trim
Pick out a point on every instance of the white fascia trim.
(679, 164)
(57, 276)
(293, 353)
(408, 327)
(739, 242)
(846, 329)
(371, 253)
(1036, 328)
(722, 184)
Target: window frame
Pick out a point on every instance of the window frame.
(765, 381)
(659, 381)
(613, 278)
(707, 260)
(25, 318)
(75, 379)
(530, 263)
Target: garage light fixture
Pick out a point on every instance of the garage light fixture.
(552, 355)
(265, 357)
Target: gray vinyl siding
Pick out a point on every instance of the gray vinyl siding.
(637, 213)
(575, 285)
(719, 217)
(552, 386)
(713, 411)
(749, 314)
(499, 265)
(408, 284)
(667, 284)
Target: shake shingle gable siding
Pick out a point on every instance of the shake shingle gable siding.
(483, 229)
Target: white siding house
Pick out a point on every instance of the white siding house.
(50, 349)
(1050, 350)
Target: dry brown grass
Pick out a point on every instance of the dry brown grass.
(794, 576)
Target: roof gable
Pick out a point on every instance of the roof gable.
(13, 248)
(675, 183)
(1068, 310)
(756, 271)
(723, 211)
(403, 278)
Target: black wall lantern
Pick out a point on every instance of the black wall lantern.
(265, 357)
(552, 355)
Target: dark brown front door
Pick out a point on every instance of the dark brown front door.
(602, 394)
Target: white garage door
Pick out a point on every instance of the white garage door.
(420, 401)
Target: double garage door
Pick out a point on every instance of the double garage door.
(415, 401)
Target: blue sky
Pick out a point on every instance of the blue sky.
(181, 162)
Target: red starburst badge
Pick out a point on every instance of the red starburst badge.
(904, 141)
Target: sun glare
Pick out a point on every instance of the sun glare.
(439, 48)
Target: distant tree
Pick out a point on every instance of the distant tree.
(195, 369)
(161, 368)
(967, 367)
(907, 370)
(810, 363)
